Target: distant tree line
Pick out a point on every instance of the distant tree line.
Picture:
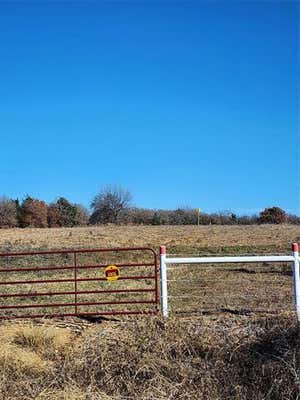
(187, 216)
(36, 213)
(113, 204)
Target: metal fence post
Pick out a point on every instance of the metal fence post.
(163, 282)
(296, 279)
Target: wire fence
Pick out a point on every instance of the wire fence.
(209, 289)
(234, 284)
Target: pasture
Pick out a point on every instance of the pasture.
(231, 334)
(213, 238)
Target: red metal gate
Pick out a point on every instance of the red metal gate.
(75, 283)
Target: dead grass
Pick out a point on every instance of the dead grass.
(177, 238)
(35, 337)
(237, 339)
(147, 359)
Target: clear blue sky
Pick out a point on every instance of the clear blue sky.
(184, 103)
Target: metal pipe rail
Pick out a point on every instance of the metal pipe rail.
(164, 261)
(215, 260)
(21, 285)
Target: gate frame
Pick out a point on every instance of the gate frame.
(164, 261)
(75, 279)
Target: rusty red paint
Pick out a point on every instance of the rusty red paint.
(89, 303)
(71, 267)
(40, 294)
(78, 280)
(82, 314)
(75, 280)
(83, 251)
(295, 247)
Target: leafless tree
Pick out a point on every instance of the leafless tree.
(8, 213)
(109, 203)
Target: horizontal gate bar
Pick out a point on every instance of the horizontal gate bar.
(72, 280)
(78, 304)
(78, 292)
(77, 251)
(54, 268)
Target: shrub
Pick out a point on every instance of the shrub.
(54, 217)
(273, 215)
(65, 213)
(33, 213)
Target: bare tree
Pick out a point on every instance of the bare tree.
(8, 213)
(109, 203)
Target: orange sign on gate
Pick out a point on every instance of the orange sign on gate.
(112, 273)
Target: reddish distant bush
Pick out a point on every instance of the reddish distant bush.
(33, 213)
(54, 217)
(64, 213)
(272, 215)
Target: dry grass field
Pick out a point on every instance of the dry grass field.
(176, 238)
(231, 335)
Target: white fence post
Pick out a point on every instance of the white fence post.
(163, 282)
(296, 279)
(164, 261)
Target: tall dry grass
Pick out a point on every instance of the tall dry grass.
(153, 359)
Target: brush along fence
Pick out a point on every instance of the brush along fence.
(87, 282)
(223, 289)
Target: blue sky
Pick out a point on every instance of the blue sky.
(184, 103)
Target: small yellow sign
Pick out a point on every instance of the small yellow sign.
(112, 273)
